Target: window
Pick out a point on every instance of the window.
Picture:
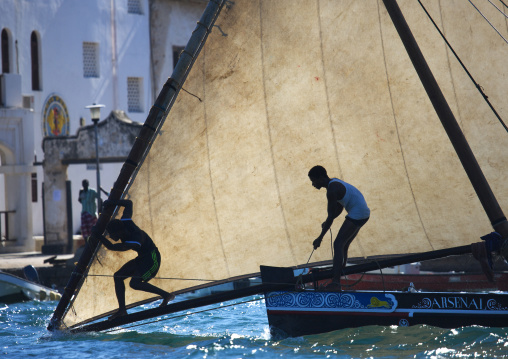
(91, 59)
(6, 68)
(34, 52)
(177, 50)
(134, 7)
(135, 94)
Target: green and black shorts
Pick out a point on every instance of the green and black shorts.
(149, 264)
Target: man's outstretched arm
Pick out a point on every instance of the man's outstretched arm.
(119, 247)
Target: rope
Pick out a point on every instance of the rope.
(488, 21)
(355, 283)
(331, 241)
(382, 275)
(299, 281)
(479, 88)
(170, 278)
(498, 9)
(501, 1)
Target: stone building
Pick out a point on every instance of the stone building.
(59, 56)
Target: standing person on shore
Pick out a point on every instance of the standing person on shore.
(88, 199)
(340, 195)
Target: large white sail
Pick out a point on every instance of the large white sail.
(284, 85)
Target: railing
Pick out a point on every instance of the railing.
(6, 221)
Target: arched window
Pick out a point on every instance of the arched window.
(6, 68)
(34, 52)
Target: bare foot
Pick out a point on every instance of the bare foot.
(118, 313)
(167, 299)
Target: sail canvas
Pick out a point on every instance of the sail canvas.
(283, 85)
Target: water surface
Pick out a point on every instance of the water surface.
(235, 331)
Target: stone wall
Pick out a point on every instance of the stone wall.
(116, 135)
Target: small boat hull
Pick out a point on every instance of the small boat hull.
(14, 289)
(293, 313)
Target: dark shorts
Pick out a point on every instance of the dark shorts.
(358, 222)
(149, 264)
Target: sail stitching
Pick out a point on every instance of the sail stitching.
(452, 79)
(212, 188)
(397, 129)
(341, 174)
(288, 238)
(358, 240)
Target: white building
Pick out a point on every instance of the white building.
(59, 56)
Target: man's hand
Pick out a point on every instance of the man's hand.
(317, 243)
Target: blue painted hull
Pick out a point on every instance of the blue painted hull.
(293, 313)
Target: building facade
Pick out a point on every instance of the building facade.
(59, 56)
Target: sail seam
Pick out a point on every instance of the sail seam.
(397, 129)
(210, 167)
(452, 79)
(341, 174)
(334, 136)
(270, 135)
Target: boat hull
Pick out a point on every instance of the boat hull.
(311, 312)
(14, 289)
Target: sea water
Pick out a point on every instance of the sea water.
(236, 329)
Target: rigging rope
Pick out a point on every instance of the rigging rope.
(299, 280)
(498, 9)
(465, 69)
(134, 276)
(488, 21)
(501, 1)
(331, 241)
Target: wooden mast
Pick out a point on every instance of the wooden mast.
(457, 138)
(147, 134)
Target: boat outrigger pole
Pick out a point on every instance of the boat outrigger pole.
(155, 118)
(457, 138)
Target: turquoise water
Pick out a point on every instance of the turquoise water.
(237, 331)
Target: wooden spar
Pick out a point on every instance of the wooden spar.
(457, 138)
(265, 287)
(147, 134)
(171, 308)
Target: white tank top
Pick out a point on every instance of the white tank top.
(353, 202)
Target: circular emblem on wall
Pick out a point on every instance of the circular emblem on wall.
(55, 117)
